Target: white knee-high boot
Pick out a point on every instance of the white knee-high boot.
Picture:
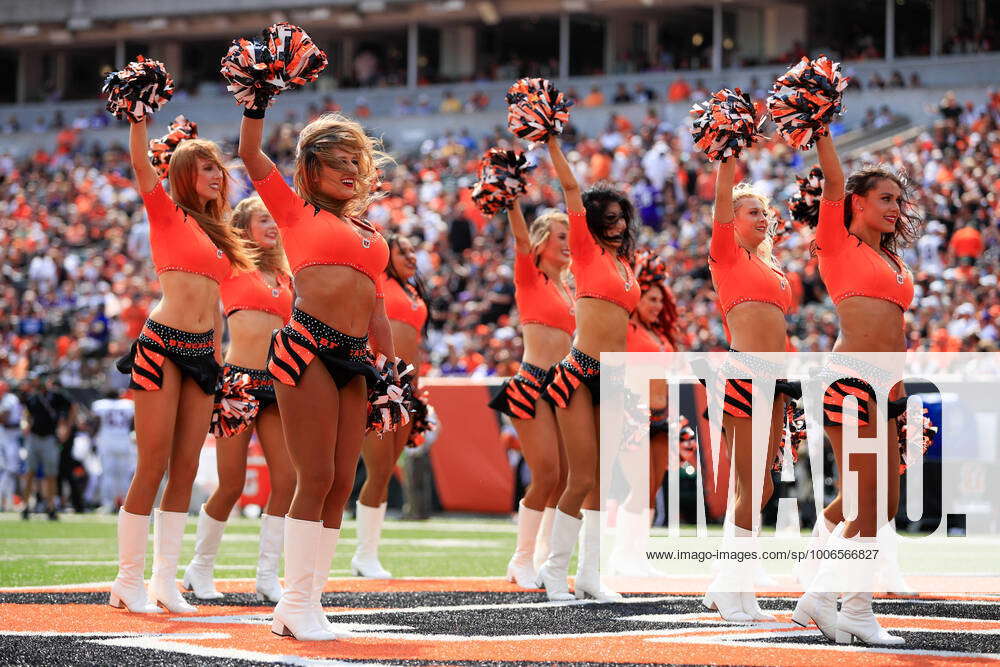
(588, 567)
(631, 544)
(168, 533)
(520, 569)
(128, 589)
(819, 603)
(806, 569)
(856, 619)
(888, 561)
(272, 533)
(724, 593)
(553, 576)
(365, 562)
(542, 542)
(295, 615)
(199, 575)
(324, 557)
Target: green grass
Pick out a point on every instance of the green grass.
(82, 548)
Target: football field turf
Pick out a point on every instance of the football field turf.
(449, 606)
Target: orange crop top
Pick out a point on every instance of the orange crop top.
(404, 304)
(178, 242)
(641, 339)
(312, 236)
(596, 270)
(249, 291)
(851, 267)
(740, 276)
(539, 300)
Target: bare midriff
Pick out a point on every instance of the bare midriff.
(250, 337)
(544, 346)
(190, 301)
(868, 324)
(755, 326)
(601, 326)
(339, 296)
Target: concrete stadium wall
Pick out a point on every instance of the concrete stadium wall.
(218, 116)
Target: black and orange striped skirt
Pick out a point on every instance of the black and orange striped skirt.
(519, 395)
(576, 369)
(192, 353)
(304, 338)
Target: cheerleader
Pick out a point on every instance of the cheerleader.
(255, 304)
(858, 239)
(546, 308)
(651, 328)
(601, 240)
(406, 307)
(174, 364)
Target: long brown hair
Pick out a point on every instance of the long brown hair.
(861, 182)
(269, 260)
(214, 218)
(317, 141)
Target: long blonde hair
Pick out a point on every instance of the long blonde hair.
(214, 218)
(269, 260)
(317, 141)
(541, 229)
(765, 249)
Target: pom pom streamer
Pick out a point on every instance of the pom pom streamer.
(686, 440)
(805, 99)
(235, 407)
(140, 88)
(161, 149)
(536, 110)
(793, 435)
(804, 205)
(501, 179)
(283, 58)
(389, 400)
(422, 417)
(725, 125)
(928, 431)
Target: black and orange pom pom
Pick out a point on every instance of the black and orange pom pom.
(502, 176)
(140, 88)
(725, 125)
(536, 110)
(805, 99)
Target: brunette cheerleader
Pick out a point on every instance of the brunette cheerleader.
(651, 328)
(406, 307)
(858, 239)
(601, 246)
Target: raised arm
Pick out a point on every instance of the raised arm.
(833, 172)
(251, 140)
(571, 189)
(138, 145)
(724, 176)
(722, 248)
(519, 228)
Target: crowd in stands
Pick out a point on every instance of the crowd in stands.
(78, 282)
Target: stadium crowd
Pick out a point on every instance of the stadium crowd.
(78, 282)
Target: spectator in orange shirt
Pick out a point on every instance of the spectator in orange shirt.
(600, 165)
(679, 90)
(594, 99)
(966, 242)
